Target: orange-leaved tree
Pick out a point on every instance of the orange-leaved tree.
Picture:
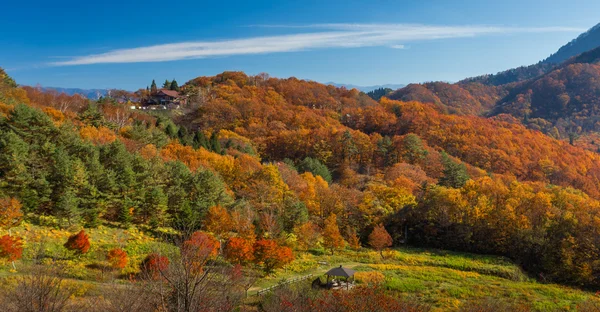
(200, 248)
(271, 255)
(218, 221)
(79, 242)
(239, 250)
(10, 212)
(202, 245)
(308, 235)
(352, 238)
(332, 239)
(117, 258)
(11, 248)
(380, 239)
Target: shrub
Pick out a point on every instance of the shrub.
(79, 242)
(369, 278)
(153, 265)
(117, 258)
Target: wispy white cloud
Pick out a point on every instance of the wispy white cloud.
(321, 36)
(398, 46)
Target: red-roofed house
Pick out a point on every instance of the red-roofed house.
(167, 98)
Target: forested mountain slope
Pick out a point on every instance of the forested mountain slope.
(585, 42)
(301, 163)
(557, 98)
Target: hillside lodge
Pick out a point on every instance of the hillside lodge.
(165, 99)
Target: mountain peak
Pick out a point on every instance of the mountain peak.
(585, 42)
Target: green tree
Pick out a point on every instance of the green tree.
(92, 116)
(167, 84)
(205, 189)
(154, 207)
(315, 167)
(153, 88)
(184, 136)
(200, 141)
(125, 215)
(67, 206)
(387, 151)
(412, 149)
(215, 144)
(349, 148)
(455, 174)
(171, 130)
(174, 86)
(6, 79)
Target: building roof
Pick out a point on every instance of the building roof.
(341, 272)
(168, 92)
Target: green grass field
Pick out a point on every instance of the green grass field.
(443, 280)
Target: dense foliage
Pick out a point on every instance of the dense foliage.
(264, 166)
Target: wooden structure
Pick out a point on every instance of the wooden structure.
(334, 281)
(165, 99)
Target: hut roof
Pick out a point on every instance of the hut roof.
(340, 271)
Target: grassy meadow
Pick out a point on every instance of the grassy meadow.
(442, 280)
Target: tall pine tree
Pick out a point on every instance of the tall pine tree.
(455, 174)
(174, 86)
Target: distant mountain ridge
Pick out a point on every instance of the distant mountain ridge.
(92, 94)
(559, 99)
(585, 42)
(366, 88)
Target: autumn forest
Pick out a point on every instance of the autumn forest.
(254, 177)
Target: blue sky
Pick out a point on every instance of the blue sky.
(126, 44)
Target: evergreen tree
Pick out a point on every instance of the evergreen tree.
(184, 137)
(387, 151)
(6, 79)
(154, 207)
(349, 148)
(67, 206)
(315, 167)
(412, 149)
(153, 88)
(167, 84)
(174, 86)
(15, 178)
(455, 174)
(125, 216)
(200, 141)
(215, 144)
(377, 94)
(171, 130)
(92, 116)
(205, 190)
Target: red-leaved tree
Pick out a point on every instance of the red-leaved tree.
(11, 247)
(79, 242)
(153, 265)
(117, 258)
(271, 255)
(380, 239)
(239, 250)
(202, 245)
